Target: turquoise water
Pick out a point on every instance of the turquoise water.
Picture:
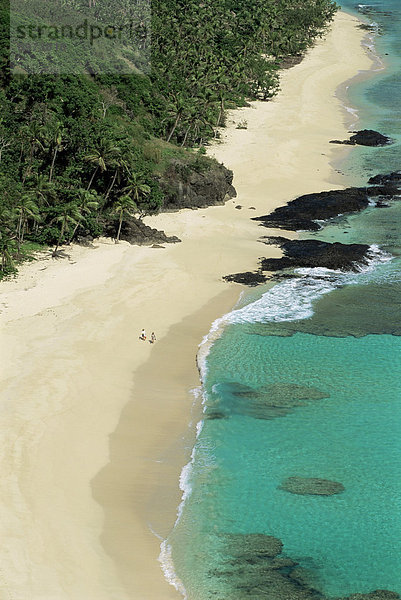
(305, 382)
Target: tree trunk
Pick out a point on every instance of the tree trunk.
(59, 239)
(20, 155)
(177, 120)
(111, 185)
(52, 165)
(23, 230)
(29, 168)
(73, 233)
(19, 241)
(119, 227)
(92, 178)
(186, 135)
(221, 111)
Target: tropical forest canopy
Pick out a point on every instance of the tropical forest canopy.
(79, 151)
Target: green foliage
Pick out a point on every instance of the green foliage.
(78, 151)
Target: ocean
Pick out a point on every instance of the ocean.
(304, 382)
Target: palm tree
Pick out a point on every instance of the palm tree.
(7, 238)
(136, 186)
(57, 139)
(43, 190)
(70, 215)
(196, 123)
(223, 87)
(124, 205)
(175, 111)
(6, 248)
(36, 135)
(86, 204)
(102, 158)
(120, 166)
(25, 209)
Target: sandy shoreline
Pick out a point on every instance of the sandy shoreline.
(94, 421)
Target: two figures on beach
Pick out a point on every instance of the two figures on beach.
(152, 337)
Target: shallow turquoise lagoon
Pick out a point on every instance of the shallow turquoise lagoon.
(305, 381)
(351, 436)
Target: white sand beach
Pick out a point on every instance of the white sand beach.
(94, 422)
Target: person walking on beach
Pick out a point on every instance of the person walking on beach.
(143, 335)
(152, 337)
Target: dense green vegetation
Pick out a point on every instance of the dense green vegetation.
(78, 151)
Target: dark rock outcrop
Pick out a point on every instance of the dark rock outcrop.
(136, 232)
(196, 186)
(302, 213)
(368, 9)
(313, 486)
(251, 566)
(315, 253)
(248, 278)
(85, 240)
(366, 137)
(385, 179)
(254, 569)
(291, 61)
(370, 27)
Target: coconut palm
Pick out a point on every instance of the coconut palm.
(43, 191)
(101, 158)
(7, 238)
(136, 186)
(125, 205)
(56, 135)
(119, 166)
(137, 189)
(7, 249)
(25, 209)
(177, 107)
(86, 204)
(35, 133)
(70, 215)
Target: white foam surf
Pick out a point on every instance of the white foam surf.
(167, 565)
(293, 299)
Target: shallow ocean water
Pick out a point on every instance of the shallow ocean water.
(305, 381)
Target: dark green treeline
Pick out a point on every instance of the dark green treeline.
(78, 152)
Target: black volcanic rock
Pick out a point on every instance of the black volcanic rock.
(302, 213)
(136, 232)
(187, 186)
(315, 253)
(366, 137)
(385, 179)
(85, 239)
(311, 486)
(291, 61)
(248, 278)
(368, 9)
